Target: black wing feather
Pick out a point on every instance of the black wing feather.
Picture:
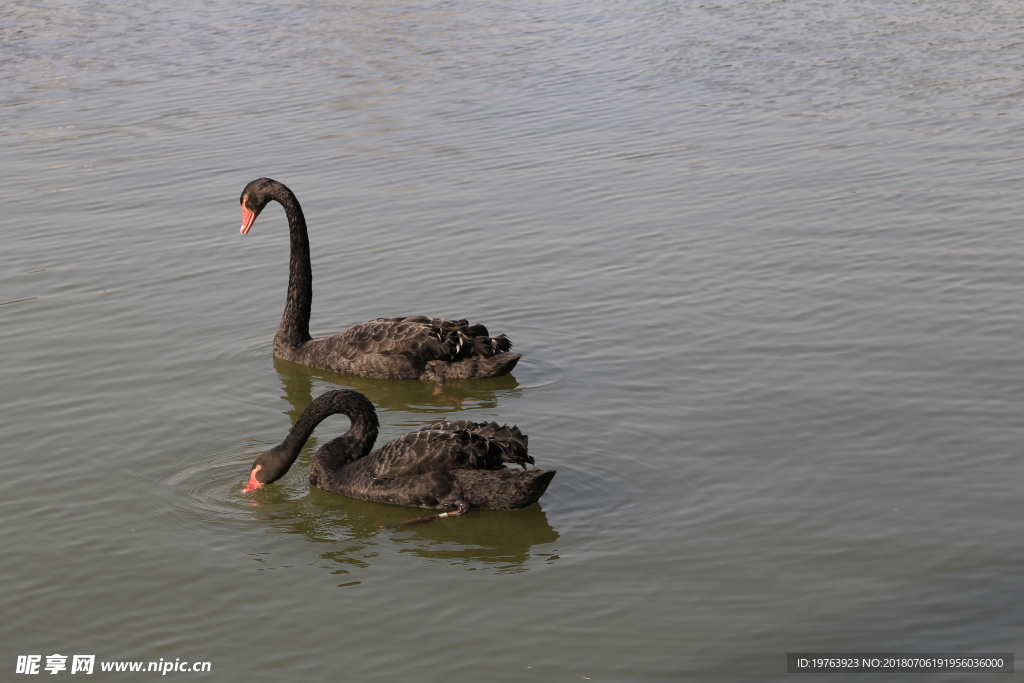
(456, 445)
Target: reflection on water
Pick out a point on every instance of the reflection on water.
(502, 540)
(389, 395)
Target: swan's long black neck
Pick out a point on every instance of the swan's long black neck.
(352, 445)
(294, 327)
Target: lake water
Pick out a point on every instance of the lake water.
(763, 260)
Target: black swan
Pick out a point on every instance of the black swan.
(449, 465)
(415, 347)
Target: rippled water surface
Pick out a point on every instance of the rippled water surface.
(763, 260)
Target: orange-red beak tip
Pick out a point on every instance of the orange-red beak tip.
(248, 217)
(254, 483)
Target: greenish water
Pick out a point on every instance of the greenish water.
(763, 261)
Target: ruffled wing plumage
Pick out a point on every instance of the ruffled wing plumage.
(420, 336)
(458, 445)
(490, 430)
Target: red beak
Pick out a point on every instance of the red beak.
(253, 484)
(248, 218)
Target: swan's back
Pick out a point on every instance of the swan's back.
(410, 347)
(491, 430)
(456, 445)
(443, 465)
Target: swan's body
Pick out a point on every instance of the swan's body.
(449, 465)
(415, 347)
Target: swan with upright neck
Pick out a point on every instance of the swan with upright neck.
(454, 465)
(413, 347)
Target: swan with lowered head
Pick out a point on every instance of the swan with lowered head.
(414, 347)
(454, 465)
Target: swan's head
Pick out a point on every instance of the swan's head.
(267, 468)
(254, 198)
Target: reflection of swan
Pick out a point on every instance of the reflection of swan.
(347, 534)
(416, 347)
(456, 465)
(407, 397)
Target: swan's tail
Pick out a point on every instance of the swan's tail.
(501, 364)
(474, 367)
(492, 490)
(505, 489)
